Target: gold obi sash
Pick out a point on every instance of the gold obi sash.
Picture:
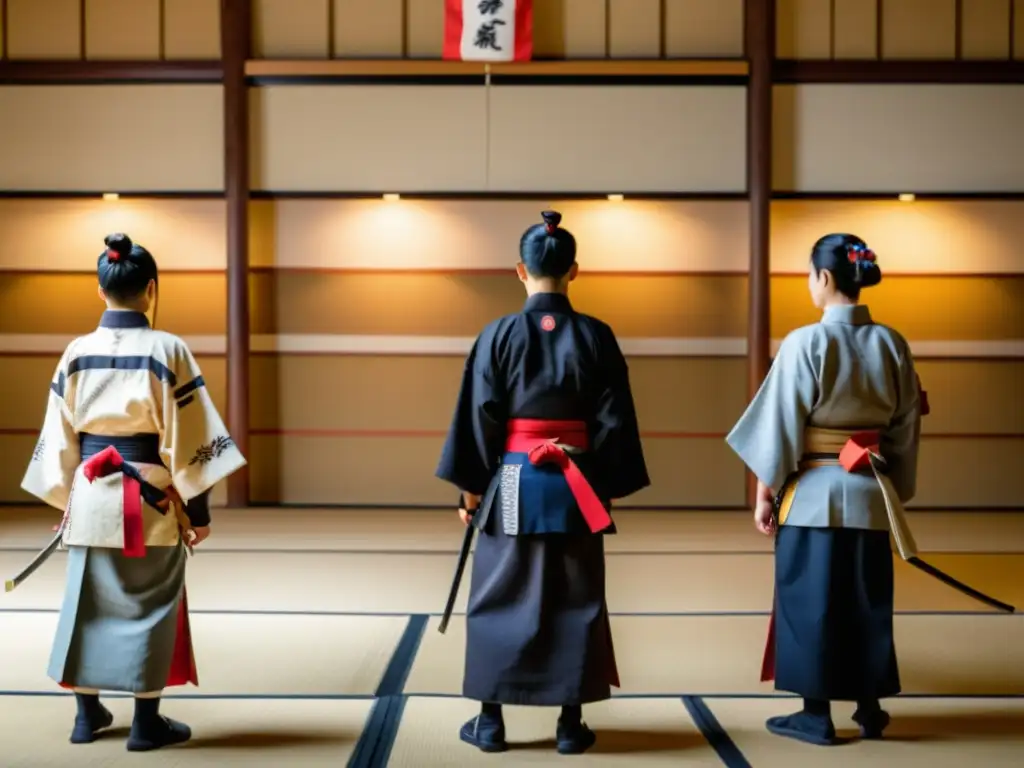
(853, 451)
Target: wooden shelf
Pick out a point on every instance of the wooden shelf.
(341, 68)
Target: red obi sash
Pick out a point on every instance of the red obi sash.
(107, 462)
(542, 441)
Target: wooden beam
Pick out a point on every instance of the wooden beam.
(759, 35)
(95, 72)
(263, 68)
(235, 44)
(899, 71)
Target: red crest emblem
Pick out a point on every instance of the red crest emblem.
(547, 323)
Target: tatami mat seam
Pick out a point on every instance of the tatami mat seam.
(381, 729)
(714, 733)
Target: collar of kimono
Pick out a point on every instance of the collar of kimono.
(123, 318)
(851, 314)
(548, 302)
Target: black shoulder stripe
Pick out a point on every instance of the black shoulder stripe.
(123, 363)
(57, 387)
(189, 388)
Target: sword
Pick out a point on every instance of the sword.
(958, 585)
(460, 567)
(11, 584)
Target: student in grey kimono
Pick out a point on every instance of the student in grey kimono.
(843, 387)
(130, 446)
(543, 438)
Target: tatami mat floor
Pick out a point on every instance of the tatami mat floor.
(317, 644)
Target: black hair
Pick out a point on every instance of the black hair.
(124, 269)
(850, 261)
(546, 249)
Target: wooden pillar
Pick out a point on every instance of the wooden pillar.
(759, 34)
(235, 21)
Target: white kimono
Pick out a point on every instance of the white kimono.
(121, 380)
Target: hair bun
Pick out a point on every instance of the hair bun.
(119, 243)
(551, 219)
(868, 273)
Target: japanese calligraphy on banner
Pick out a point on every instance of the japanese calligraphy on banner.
(488, 30)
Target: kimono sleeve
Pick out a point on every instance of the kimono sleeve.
(476, 436)
(900, 443)
(769, 437)
(194, 443)
(617, 446)
(57, 455)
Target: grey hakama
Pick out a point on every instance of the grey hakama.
(537, 630)
(119, 620)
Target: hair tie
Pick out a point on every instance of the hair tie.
(550, 228)
(113, 255)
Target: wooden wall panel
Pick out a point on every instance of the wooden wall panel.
(703, 28)
(44, 29)
(985, 29)
(368, 138)
(855, 28)
(290, 29)
(617, 140)
(906, 138)
(659, 237)
(122, 29)
(804, 29)
(192, 29)
(1018, 29)
(424, 29)
(634, 30)
(919, 29)
(570, 29)
(926, 237)
(368, 29)
(173, 140)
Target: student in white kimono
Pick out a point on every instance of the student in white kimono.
(124, 621)
(841, 378)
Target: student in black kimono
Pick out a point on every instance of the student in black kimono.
(543, 438)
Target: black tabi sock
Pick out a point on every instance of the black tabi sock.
(147, 710)
(88, 703)
(818, 707)
(869, 707)
(492, 711)
(572, 713)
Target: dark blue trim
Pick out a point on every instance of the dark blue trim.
(186, 401)
(393, 681)
(123, 319)
(123, 363)
(715, 734)
(189, 388)
(57, 387)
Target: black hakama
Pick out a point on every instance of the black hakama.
(834, 614)
(537, 624)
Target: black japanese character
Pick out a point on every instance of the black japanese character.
(490, 6)
(37, 454)
(208, 453)
(487, 35)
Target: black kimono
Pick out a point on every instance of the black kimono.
(545, 431)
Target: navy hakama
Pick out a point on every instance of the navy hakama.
(537, 630)
(834, 608)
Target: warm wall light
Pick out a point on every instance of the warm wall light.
(392, 197)
(907, 198)
(111, 196)
(616, 198)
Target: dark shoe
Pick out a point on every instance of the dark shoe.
(485, 733)
(872, 722)
(803, 726)
(92, 717)
(158, 733)
(574, 738)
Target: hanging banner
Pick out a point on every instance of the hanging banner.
(488, 30)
